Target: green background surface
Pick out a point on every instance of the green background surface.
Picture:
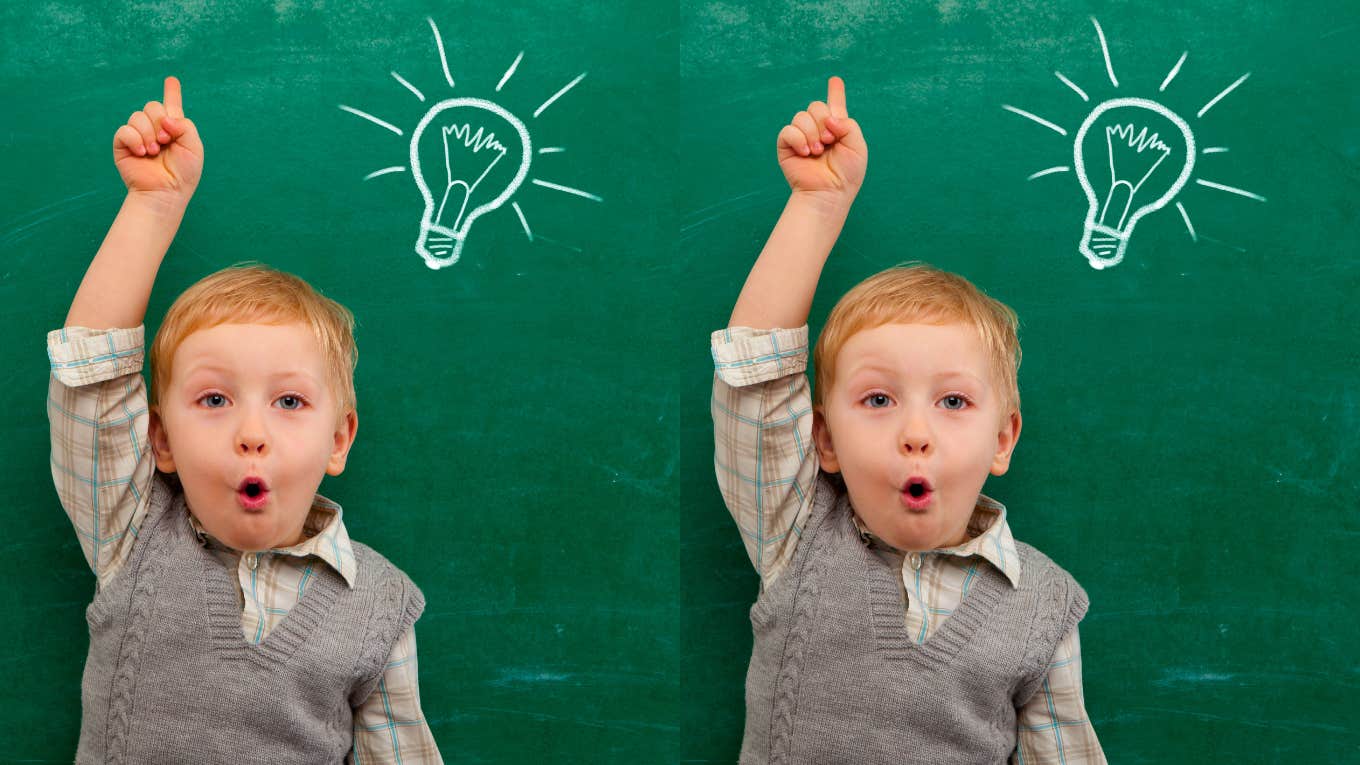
(535, 448)
(512, 455)
(1189, 445)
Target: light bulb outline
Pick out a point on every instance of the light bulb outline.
(1120, 242)
(459, 235)
(1122, 235)
(476, 143)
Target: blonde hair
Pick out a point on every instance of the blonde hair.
(917, 293)
(250, 293)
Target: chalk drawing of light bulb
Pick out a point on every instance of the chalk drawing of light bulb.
(1132, 157)
(468, 157)
(1145, 171)
(455, 192)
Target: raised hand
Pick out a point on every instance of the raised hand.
(822, 149)
(158, 150)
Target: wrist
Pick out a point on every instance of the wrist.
(161, 204)
(832, 205)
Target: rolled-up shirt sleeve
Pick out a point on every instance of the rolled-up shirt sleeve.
(101, 460)
(762, 431)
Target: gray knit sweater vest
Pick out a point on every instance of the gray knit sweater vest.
(171, 679)
(834, 677)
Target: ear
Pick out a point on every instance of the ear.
(160, 443)
(1005, 443)
(345, 430)
(821, 437)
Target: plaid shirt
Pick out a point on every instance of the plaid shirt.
(103, 467)
(766, 467)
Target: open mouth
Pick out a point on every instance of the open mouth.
(252, 492)
(917, 493)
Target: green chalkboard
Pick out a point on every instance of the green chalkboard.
(1189, 449)
(534, 446)
(518, 418)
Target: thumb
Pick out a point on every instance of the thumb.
(183, 131)
(847, 133)
(844, 129)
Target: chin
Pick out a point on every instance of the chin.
(254, 540)
(919, 540)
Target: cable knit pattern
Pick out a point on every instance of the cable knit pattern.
(400, 605)
(790, 673)
(834, 676)
(170, 678)
(148, 562)
(1064, 604)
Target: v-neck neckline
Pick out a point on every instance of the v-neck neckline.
(224, 613)
(887, 609)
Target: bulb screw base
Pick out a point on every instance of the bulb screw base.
(1103, 246)
(439, 246)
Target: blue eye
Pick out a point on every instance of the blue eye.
(877, 400)
(291, 402)
(213, 400)
(954, 402)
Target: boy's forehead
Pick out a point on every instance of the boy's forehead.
(290, 346)
(916, 338)
(936, 348)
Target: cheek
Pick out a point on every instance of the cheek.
(980, 451)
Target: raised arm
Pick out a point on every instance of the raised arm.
(96, 399)
(160, 157)
(823, 155)
(761, 406)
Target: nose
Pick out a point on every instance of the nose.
(251, 439)
(915, 438)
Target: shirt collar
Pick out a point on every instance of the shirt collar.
(324, 534)
(989, 538)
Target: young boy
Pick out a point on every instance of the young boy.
(234, 620)
(898, 621)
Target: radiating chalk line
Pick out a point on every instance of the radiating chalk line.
(1230, 189)
(567, 189)
(509, 72)
(409, 86)
(372, 119)
(1073, 86)
(1049, 171)
(522, 221)
(385, 171)
(1173, 72)
(1225, 92)
(559, 93)
(1105, 49)
(443, 60)
(1186, 217)
(1034, 117)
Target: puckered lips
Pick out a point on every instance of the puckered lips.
(917, 493)
(252, 493)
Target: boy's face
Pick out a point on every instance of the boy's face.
(245, 403)
(915, 401)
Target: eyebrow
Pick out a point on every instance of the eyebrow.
(211, 367)
(883, 369)
(967, 375)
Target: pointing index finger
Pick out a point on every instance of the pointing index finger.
(835, 97)
(174, 102)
